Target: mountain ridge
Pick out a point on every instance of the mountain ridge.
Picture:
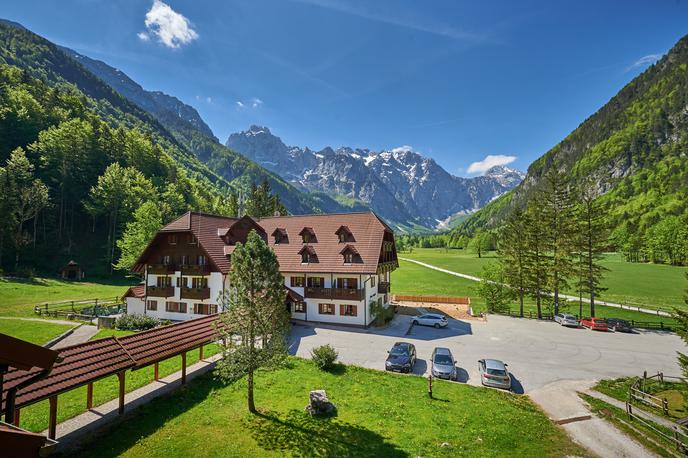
(399, 184)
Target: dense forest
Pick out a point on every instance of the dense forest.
(633, 155)
(77, 160)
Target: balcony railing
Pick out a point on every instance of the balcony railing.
(334, 293)
(194, 269)
(195, 293)
(160, 291)
(383, 287)
(160, 269)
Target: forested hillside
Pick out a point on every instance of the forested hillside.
(77, 160)
(633, 155)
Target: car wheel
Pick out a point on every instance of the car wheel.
(437, 326)
(415, 322)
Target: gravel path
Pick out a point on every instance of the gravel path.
(563, 296)
(73, 323)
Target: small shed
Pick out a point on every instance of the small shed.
(134, 299)
(72, 271)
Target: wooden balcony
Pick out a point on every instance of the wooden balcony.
(334, 293)
(195, 293)
(160, 269)
(383, 287)
(160, 291)
(194, 269)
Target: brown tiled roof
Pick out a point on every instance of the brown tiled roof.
(349, 247)
(154, 345)
(81, 364)
(24, 355)
(136, 291)
(293, 295)
(366, 229)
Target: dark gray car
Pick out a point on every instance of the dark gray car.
(443, 364)
(401, 358)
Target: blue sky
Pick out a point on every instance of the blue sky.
(457, 81)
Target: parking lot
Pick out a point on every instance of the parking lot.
(537, 352)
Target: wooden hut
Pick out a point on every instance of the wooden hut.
(72, 271)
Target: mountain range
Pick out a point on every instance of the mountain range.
(401, 185)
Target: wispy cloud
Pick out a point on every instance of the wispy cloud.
(411, 24)
(171, 28)
(402, 149)
(253, 103)
(643, 61)
(490, 161)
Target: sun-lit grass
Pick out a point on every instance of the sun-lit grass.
(32, 331)
(111, 333)
(19, 296)
(412, 279)
(650, 285)
(378, 415)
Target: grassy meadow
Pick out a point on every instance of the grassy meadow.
(379, 414)
(649, 285)
(412, 278)
(18, 296)
(36, 332)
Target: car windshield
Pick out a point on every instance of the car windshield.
(443, 359)
(399, 351)
(496, 372)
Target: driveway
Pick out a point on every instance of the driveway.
(538, 352)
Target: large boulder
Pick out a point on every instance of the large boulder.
(320, 404)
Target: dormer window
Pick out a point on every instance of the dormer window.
(308, 255)
(308, 235)
(202, 260)
(172, 239)
(344, 234)
(280, 235)
(191, 239)
(350, 254)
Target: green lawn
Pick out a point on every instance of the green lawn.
(675, 393)
(650, 285)
(73, 403)
(412, 278)
(20, 295)
(379, 415)
(111, 333)
(33, 331)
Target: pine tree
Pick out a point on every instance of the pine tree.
(592, 243)
(537, 261)
(512, 253)
(255, 311)
(558, 219)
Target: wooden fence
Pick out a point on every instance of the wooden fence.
(549, 316)
(84, 309)
(435, 299)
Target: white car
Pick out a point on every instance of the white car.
(431, 319)
(566, 319)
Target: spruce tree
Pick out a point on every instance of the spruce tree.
(255, 323)
(537, 261)
(592, 241)
(512, 253)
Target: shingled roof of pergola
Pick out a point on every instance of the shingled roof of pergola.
(91, 361)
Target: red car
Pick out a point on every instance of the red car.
(596, 324)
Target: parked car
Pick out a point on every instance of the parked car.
(619, 325)
(566, 319)
(401, 358)
(596, 324)
(431, 319)
(494, 373)
(443, 364)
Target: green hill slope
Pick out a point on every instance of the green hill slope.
(633, 151)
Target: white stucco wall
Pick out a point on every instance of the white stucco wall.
(135, 305)
(216, 283)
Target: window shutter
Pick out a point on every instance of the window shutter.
(342, 309)
(354, 310)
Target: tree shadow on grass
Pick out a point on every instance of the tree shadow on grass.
(299, 433)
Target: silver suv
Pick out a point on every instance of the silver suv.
(443, 364)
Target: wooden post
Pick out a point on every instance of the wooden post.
(15, 422)
(89, 396)
(200, 353)
(183, 368)
(120, 376)
(430, 386)
(52, 420)
(156, 372)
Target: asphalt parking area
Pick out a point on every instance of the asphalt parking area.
(537, 352)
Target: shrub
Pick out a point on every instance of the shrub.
(136, 322)
(324, 356)
(383, 313)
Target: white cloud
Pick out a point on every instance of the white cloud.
(240, 104)
(645, 60)
(402, 149)
(489, 162)
(171, 28)
(255, 103)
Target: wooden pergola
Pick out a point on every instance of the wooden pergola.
(86, 363)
